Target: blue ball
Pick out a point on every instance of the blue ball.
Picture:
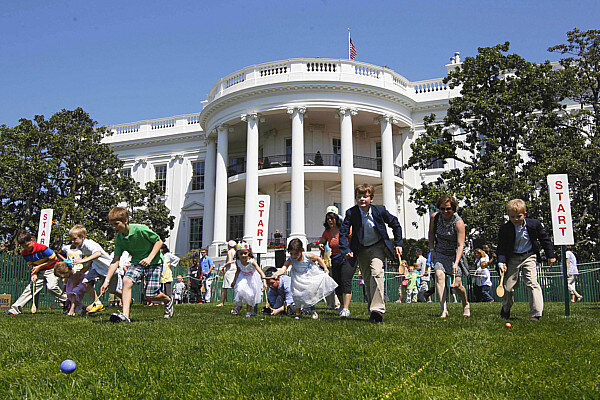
(68, 366)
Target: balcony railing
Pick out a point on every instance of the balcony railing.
(311, 160)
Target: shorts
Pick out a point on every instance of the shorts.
(444, 263)
(151, 275)
(92, 276)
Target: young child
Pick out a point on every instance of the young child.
(72, 253)
(248, 278)
(519, 242)
(369, 244)
(178, 289)
(73, 284)
(95, 261)
(146, 262)
(41, 259)
(309, 283)
(412, 288)
(483, 280)
(170, 261)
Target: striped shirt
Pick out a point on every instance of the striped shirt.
(39, 255)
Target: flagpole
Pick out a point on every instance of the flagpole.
(348, 43)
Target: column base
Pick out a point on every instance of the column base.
(301, 236)
(214, 250)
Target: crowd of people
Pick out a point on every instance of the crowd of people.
(358, 240)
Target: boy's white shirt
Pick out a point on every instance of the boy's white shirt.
(100, 264)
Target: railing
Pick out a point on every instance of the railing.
(329, 70)
(155, 124)
(311, 160)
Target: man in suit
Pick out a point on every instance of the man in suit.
(369, 243)
(519, 243)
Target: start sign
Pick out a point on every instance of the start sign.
(560, 205)
(45, 226)
(259, 245)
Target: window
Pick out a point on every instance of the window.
(237, 165)
(288, 150)
(195, 233)
(437, 163)
(160, 176)
(288, 219)
(378, 155)
(236, 227)
(198, 175)
(126, 172)
(337, 150)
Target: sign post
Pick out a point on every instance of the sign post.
(259, 244)
(45, 226)
(562, 223)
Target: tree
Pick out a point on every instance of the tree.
(581, 84)
(61, 163)
(504, 100)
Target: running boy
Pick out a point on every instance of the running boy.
(146, 262)
(41, 259)
(369, 243)
(519, 242)
(98, 262)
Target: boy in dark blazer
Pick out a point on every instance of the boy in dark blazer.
(369, 243)
(519, 243)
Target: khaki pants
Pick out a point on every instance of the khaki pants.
(371, 263)
(527, 265)
(51, 281)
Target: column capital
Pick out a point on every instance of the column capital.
(299, 109)
(386, 117)
(345, 110)
(209, 139)
(222, 127)
(176, 156)
(248, 116)
(140, 160)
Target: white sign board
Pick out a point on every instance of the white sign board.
(259, 245)
(45, 226)
(560, 205)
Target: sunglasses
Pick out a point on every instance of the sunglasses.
(445, 209)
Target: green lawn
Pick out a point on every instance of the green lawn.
(204, 352)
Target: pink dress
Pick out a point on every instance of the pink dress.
(75, 290)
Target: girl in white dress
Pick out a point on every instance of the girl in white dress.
(310, 284)
(248, 278)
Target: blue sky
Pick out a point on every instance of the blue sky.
(124, 61)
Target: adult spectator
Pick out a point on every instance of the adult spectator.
(277, 236)
(572, 274)
(280, 294)
(207, 266)
(342, 269)
(446, 243)
(228, 272)
(195, 294)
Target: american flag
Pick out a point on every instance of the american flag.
(352, 50)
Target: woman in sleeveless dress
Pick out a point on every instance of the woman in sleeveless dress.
(446, 243)
(228, 272)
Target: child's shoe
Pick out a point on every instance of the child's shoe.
(314, 315)
(345, 313)
(169, 309)
(236, 310)
(119, 317)
(248, 314)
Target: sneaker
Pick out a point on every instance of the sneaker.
(95, 308)
(236, 310)
(169, 309)
(12, 311)
(339, 310)
(535, 319)
(345, 313)
(248, 314)
(119, 317)
(314, 315)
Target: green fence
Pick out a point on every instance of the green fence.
(14, 275)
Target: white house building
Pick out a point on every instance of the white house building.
(303, 131)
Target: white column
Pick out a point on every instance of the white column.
(387, 164)
(208, 220)
(250, 209)
(297, 225)
(347, 159)
(220, 223)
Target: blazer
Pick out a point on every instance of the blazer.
(537, 235)
(381, 217)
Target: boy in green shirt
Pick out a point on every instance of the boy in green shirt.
(146, 262)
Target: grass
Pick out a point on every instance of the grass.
(204, 352)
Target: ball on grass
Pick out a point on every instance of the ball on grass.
(68, 366)
(508, 325)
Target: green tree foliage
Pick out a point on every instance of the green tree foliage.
(60, 163)
(484, 132)
(510, 129)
